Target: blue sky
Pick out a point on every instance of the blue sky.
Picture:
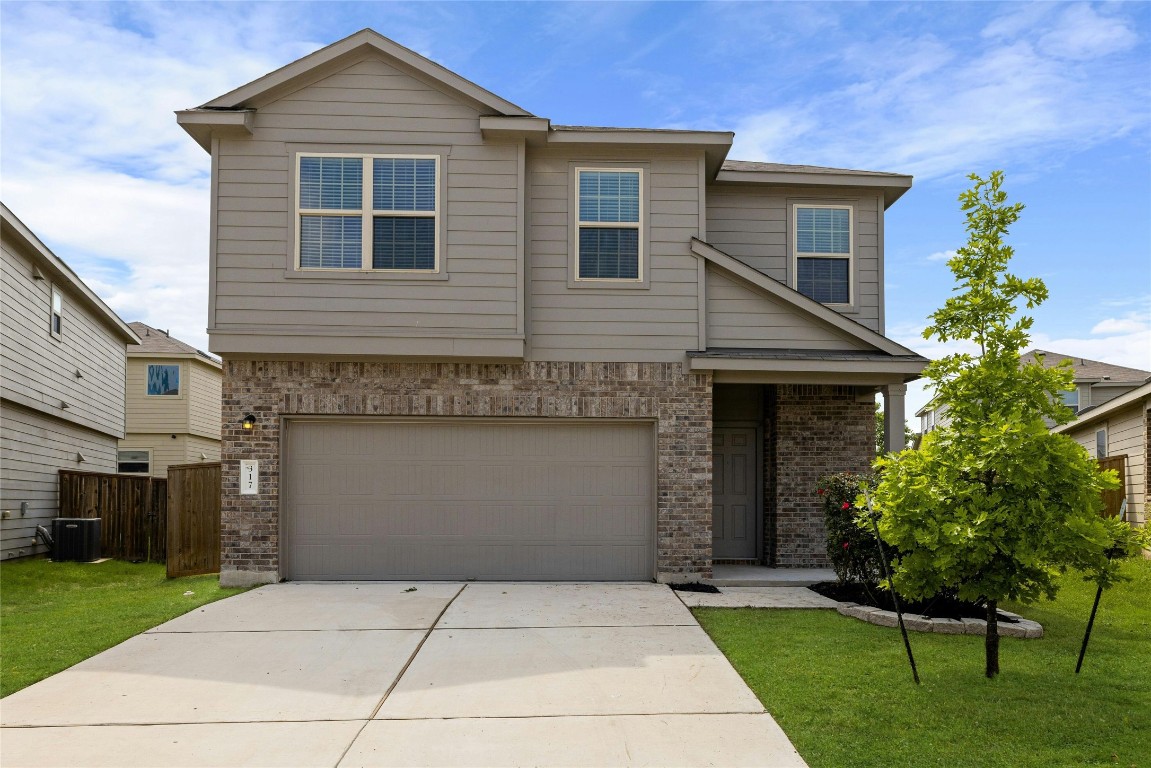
(1057, 95)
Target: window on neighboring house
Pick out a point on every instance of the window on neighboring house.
(1101, 444)
(1070, 399)
(396, 231)
(56, 320)
(134, 461)
(609, 223)
(163, 379)
(823, 251)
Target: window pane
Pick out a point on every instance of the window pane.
(404, 242)
(825, 280)
(609, 196)
(330, 242)
(132, 461)
(1101, 444)
(609, 253)
(404, 184)
(163, 379)
(331, 183)
(1070, 398)
(822, 230)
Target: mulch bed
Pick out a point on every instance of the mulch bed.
(938, 607)
(695, 587)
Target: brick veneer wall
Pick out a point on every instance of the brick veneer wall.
(269, 389)
(818, 430)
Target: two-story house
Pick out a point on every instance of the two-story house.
(1094, 383)
(61, 383)
(173, 410)
(462, 342)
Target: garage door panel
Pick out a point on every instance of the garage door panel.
(469, 500)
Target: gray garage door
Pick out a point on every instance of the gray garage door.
(460, 499)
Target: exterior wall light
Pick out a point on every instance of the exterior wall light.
(249, 422)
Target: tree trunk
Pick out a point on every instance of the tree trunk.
(991, 642)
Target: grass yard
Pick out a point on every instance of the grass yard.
(842, 689)
(53, 615)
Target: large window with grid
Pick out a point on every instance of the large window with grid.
(609, 243)
(368, 212)
(822, 242)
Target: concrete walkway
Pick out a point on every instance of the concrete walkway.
(389, 674)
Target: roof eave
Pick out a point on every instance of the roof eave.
(202, 124)
(715, 144)
(893, 185)
(61, 272)
(1125, 400)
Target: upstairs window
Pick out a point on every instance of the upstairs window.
(56, 317)
(823, 252)
(610, 243)
(1070, 398)
(164, 380)
(368, 213)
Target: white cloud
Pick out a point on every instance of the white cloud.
(1130, 324)
(941, 256)
(1039, 82)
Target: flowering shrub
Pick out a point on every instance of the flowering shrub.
(852, 549)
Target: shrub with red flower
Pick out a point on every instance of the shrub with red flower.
(851, 548)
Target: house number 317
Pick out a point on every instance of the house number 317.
(249, 477)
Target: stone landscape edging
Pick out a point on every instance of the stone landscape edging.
(1022, 628)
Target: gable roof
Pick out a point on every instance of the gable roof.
(365, 40)
(1090, 415)
(800, 303)
(60, 272)
(154, 341)
(1088, 370)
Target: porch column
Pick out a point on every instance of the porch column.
(894, 417)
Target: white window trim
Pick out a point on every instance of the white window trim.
(151, 463)
(367, 212)
(180, 392)
(796, 254)
(54, 294)
(580, 224)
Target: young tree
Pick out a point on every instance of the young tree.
(992, 504)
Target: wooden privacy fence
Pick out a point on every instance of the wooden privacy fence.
(193, 519)
(133, 511)
(1113, 500)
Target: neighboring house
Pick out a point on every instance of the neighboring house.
(1095, 383)
(1120, 427)
(461, 342)
(173, 404)
(61, 383)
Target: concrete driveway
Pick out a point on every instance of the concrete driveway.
(389, 674)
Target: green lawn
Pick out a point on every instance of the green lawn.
(53, 615)
(843, 692)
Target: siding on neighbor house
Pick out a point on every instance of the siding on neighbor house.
(739, 315)
(156, 413)
(166, 450)
(655, 323)
(752, 224)
(370, 107)
(204, 390)
(34, 447)
(1127, 433)
(39, 371)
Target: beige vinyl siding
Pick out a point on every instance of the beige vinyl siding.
(751, 224)
(369, 107)
(1126, 434)
(740, 316)
(204, 393)
(39, 371)
(167, 450)
(156, 413)
(612, 324)
(34, 447)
